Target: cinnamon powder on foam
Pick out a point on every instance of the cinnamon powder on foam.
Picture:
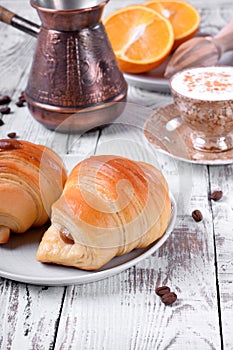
(214, 83)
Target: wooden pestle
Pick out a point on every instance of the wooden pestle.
(201, 51)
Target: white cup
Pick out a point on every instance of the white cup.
(204, 97)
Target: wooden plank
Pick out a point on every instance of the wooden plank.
(221, 178)
(15, 61)
(30, 315)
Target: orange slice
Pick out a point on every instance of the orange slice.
(141, 38)
(185, 19)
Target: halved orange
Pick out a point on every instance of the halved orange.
(141, 38)
(185, 19)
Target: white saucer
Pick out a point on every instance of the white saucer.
(165, 131)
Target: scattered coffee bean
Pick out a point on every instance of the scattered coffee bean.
(19, 103)
(169, 298)
(22, 98)
(197, 215)
(166, 295)
(5, 110)
(215, 196)
(12, 135)
(162, 290)
(1, 122)
(4, 100)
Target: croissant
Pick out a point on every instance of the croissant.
(32, 177)
(109, 206)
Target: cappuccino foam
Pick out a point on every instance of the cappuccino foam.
(205, 83)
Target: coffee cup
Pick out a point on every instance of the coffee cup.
(204, 98)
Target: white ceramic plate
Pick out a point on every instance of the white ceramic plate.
(154, 80)
(18, 259)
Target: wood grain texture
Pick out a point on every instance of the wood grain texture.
(221, 178)
(30, 315)
(123, 312)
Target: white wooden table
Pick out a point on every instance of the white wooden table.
(123, 312)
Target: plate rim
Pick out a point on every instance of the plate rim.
(93, 276)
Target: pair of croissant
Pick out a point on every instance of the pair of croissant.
(108, 206)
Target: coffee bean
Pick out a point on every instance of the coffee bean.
(215, 196)
(197, 215)
(162, 290)
(22, 95)
(5, 110)
(22, 98)
(12, 135)
(1, 122)
(169, 298)
(4, 100)
(19, 103)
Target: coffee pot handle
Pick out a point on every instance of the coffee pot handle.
(18, 22)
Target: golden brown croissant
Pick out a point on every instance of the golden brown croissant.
(110, 205)
(32, 177)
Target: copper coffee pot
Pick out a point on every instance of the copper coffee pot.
(75, 82)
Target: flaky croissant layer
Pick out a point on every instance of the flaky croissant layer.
(32, 177)
(110, 205)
